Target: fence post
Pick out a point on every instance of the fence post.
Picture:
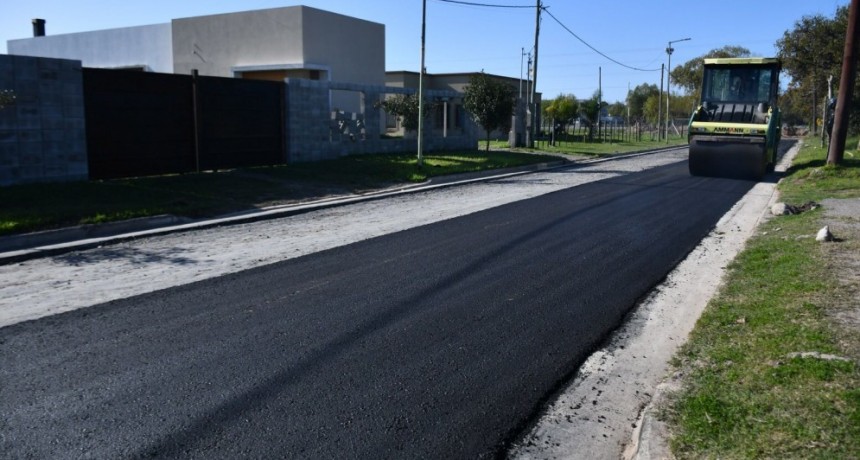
(195, 109)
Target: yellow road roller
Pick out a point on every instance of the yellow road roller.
(735, 130)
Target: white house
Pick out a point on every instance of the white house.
(271, 44)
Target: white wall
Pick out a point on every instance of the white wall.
(215, 44)
(353, 48)
(149, 46)
(344, 48)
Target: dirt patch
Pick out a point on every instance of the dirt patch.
(842, 262)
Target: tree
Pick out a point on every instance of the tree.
(814, 46)
(810, 53)
(689, 75)
(560, 111)
(490, 102)
(590, 109)
(404, 106)
(651, 108)
(682, 106)
(636, 99)
(617, 109)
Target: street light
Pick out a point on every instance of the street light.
(669, 51)
(421, 88)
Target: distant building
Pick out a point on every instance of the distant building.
(271, 44)
(455, 82)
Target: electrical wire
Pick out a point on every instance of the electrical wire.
(459, 2)
(546, 10)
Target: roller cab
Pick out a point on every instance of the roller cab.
(734, 132)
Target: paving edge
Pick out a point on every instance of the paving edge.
(20, 248)
(650, 439)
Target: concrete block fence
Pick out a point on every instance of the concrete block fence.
(43, 133)
(310, 125)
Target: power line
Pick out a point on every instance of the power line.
(485, 4)
(593, 48)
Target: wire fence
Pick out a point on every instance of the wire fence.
(611, 132)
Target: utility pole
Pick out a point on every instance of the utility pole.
(814, 104)
(528, 90)
(628, 103)
(599, 101)
(824, 109)
(669, 51)
(660, 106)
(421, 88)
(530, 143)
(522, 56)
(846, 86)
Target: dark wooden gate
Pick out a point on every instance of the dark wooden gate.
(143, 124)
(240, 122)
(138, 123)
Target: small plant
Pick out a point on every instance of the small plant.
(7, 98)
(405, 106)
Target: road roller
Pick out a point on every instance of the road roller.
(735, 130)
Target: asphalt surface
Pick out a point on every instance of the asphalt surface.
(440, 341)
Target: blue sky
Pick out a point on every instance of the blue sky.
(463, 38)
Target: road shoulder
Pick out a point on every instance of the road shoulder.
(609, 410)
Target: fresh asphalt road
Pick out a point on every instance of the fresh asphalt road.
(441, 341)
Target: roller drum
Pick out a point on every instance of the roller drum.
(741, 158)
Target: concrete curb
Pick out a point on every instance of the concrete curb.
(20, 248)
(651, 437)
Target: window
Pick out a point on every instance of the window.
(742, 83)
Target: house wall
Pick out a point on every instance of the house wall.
(148, 46)
(315, 133)
(340, 48)
(215, 44)
(43, 134)
(352, 48)
(458, 82)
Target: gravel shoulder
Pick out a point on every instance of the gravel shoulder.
(47, 286)
(607, 411)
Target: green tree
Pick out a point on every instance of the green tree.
(617, 109)
(637, 97)
(810, 53)
(560, 111)
(405, 106)
(590, 109)
(689, 74)
(490, 102)
(651, 108)
(682, 106)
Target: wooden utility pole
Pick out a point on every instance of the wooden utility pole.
(599, 100)
(660, 106)
(534, 104)
(421, 87)
(846, 87)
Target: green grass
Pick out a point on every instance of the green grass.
(603, 149)
(576, 145)
(811, 178)
(743, 396)
(35, 207)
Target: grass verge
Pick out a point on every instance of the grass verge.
(34, 207)
(745, 392)
(595, 149)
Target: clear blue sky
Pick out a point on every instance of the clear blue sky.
(464, 38)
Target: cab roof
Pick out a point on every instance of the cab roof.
(749, 60)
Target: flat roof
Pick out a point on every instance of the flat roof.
(749, 60)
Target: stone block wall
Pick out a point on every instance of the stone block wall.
(43, 134)
(312, 133)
